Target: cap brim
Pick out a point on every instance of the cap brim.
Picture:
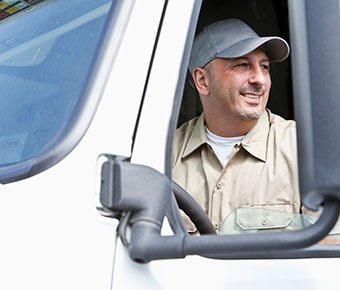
(276, 48)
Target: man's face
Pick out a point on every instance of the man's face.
(239, 87)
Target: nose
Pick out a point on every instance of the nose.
(258, 75)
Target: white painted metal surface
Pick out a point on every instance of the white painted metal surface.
(195, 272)
(52, 236)
(152, 132)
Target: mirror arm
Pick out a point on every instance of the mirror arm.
(124, 188)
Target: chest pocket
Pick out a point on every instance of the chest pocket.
(251, 220)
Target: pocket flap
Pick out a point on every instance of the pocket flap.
(259, 218)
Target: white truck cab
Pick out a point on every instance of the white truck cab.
(91, 94)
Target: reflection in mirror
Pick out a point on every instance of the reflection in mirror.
(11, 7)
(235, 149)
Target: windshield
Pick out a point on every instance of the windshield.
(46, 52)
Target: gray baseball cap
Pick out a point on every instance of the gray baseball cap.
(233, 38)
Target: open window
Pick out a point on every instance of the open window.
(279, 18)
(267, 18)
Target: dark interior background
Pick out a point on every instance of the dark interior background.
(267, 18)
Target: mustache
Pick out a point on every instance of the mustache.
(253, 89)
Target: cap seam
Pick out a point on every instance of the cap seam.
(213, 41)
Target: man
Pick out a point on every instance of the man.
(238, 160)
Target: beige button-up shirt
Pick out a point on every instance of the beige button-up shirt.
(262, 172)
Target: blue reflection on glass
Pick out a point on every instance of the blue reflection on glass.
(46, 52)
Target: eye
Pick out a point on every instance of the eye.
(242, 65)
(265, 67)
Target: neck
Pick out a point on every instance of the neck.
(229, 128)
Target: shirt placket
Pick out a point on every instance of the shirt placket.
(219, 191)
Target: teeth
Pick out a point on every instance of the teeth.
(251, 96)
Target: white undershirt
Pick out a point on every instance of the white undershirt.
(222, 146)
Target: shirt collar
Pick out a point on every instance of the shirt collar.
(197, 138)
(254, 142)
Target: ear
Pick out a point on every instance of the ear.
(200, 77)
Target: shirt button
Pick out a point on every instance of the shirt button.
(219, 185)
(216, 226)
(264, 221)
(236, 147)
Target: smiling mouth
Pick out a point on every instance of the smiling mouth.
(252, 99)
(251, 96)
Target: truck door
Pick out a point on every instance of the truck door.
(157, 258)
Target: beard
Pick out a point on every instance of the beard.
(250, 114)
